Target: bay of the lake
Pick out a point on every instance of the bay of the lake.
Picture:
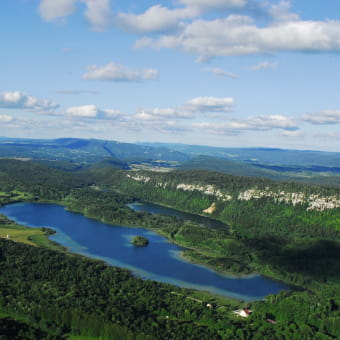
(159, 261)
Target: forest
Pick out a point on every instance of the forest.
(279, 240)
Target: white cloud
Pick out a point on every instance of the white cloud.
(210, 104)
(98, 14)
(20, 100)
(281, 12)
(193, 108)
(92, 111)
(5, 119)
(158, 114)
(158, 18)
(323, 118)
(51, 9)
(85, 111)
(155, 19)
(97, 11)
(173, 127)
(239, 35)
(229, 128)
(272, 122)
(111, 114)
(264, 65)
(221, 73)
(256, 123)
(117, 72)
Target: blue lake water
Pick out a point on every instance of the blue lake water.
(159, 261)
(159, 209)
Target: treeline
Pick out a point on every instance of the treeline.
(282, 241)
(258, 231)
(257, 213)
(55, 294)
(278, 239)
(67, 294)
(41, 182)
(248, 218)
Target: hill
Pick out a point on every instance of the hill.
(269, 156)
(83, 150)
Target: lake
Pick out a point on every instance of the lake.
(159, 261)
(159, 209)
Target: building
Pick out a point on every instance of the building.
(243, 312)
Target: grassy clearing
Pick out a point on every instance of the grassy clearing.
(32, 236)
(20, 234)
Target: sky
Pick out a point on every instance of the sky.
(231, 73)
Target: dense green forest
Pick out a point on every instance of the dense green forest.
(281, 240)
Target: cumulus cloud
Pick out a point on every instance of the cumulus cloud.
(281, 12)
(51, 10)
(5, 119)
(155, 19)
(97, 11)
(239, 35)
(189, 110)
(210, 104)
(255, 123)
(323, 118)
(263, 122)
(184, 27)
(264, 65)
(20, 100)
(158, 18)
(117, 72)
(92, 111)
(85, 111)
(194, 108)
(221, 73)
(157, 114)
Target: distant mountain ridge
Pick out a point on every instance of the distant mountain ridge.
(72, 154)
(84, 150)
(269, 156)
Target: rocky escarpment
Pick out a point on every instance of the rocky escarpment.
(313, 201)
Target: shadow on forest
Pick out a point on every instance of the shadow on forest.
(319, 259)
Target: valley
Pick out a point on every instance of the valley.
(287, 231)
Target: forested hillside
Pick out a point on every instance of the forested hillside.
(272, 227)
(287, 231)
(73, 154)
(83, 150)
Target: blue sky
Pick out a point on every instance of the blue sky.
(214, 72)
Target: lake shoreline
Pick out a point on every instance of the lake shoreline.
(204, 286)
(161, 233)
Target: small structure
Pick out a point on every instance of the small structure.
(243, 312)
(273, 322)
(7, 236)
(209, 305)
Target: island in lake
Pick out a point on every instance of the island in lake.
(140, 241)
